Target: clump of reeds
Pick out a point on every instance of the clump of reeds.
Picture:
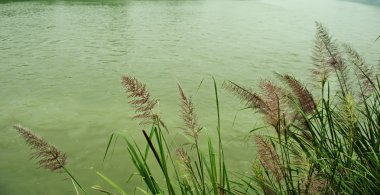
(277, 102)
(324, 145)
(336, 133)
(202, 173)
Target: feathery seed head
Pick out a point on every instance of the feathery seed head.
(304, 97)
(189, 117)
(269, 157)
(48, 155)
(140, 99)
(183, 156)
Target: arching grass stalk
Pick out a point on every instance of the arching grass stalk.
(48, 155)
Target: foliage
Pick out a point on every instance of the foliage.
(330, 145)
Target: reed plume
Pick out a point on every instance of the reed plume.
(304, 97)
(321, 70)
(348, 117)
(269, 157)
(247, 96)
(364, 72)
(188, 114)
(183, 156)
(48, 155)
(188, 170)
(273, 100)
(330, 52)
(327, 58)
(140, 99)
(268, 102)
(261, 180)
(317, 185)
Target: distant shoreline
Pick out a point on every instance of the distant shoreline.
(368, 2)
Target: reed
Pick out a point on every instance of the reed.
(331, 144)
(322, 140)
(198, 172)
(140, 99)
(49, 157)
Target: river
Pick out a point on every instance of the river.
(61, 64)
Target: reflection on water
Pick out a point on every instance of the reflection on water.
(61, 63)
(370, 2)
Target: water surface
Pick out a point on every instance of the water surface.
(61, 63)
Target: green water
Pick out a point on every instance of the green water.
(61, 63)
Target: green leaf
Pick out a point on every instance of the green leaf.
(113, 184)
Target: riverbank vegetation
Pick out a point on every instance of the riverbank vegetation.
(325, 138)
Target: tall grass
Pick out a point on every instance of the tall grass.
(323, 140)
(328, 144)
(202, 173)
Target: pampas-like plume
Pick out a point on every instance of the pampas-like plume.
(330, 52)
(303, 95)
(349, 117)
(269, 157)
(320, 55)
(189, 116)
(304, 99)
(327, 58)
(49, 156)
(364, 72)
(183, 156)
(273, 94)
(317, 185)
(140, 99)
(251, 99)
(185, 161)
(261, 180)
(268, 106)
